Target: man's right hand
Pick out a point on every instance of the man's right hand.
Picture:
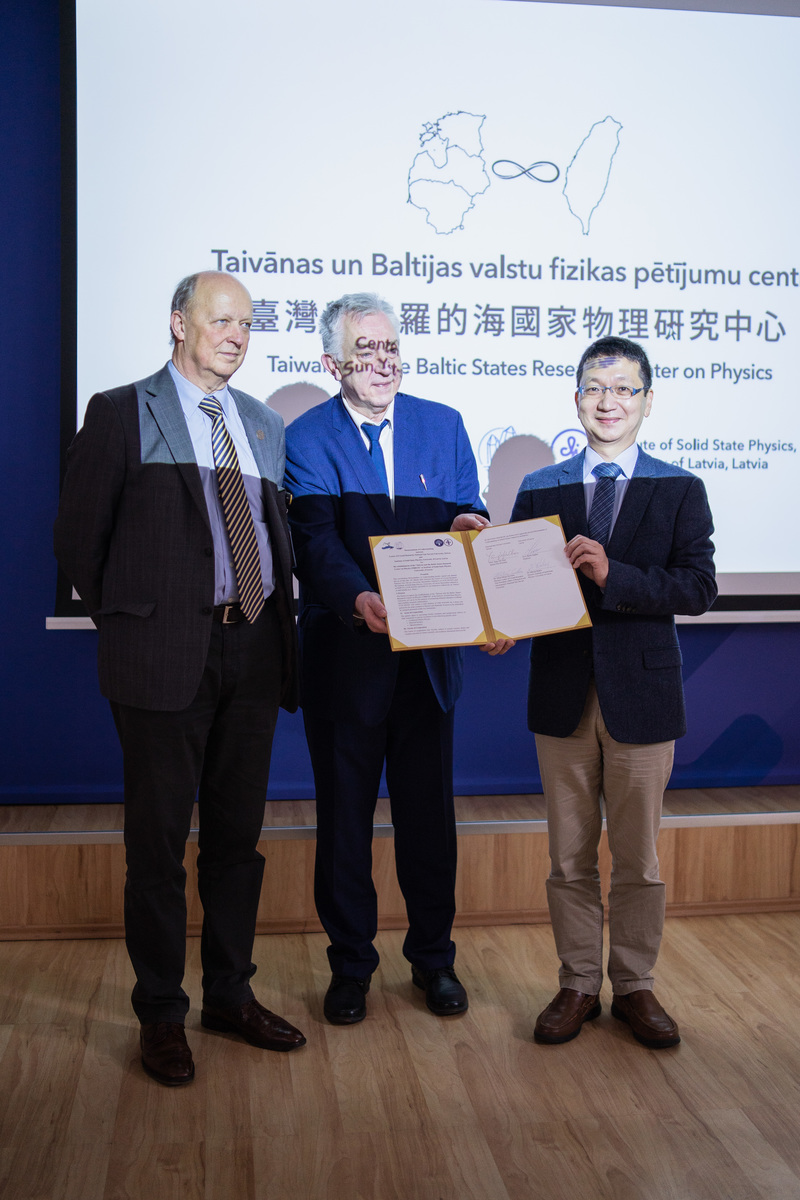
(369, 607)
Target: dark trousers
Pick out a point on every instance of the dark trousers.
(218, 750)
(416, 742)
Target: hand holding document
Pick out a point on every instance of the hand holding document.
(477, 586)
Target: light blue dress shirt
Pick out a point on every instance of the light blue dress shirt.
(626, 462)
(225, 590)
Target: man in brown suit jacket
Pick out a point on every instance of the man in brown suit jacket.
(194, 683)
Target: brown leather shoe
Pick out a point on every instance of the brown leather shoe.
(561, 1021)
(649, 1024)
(166, 1056)
(256, 1024)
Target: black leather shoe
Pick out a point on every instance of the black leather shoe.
(166, 1056)
(345, 1000)
(256, 1024)
(444, 994)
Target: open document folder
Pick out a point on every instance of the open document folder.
(465, 589)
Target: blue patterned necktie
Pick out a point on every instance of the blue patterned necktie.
(236, 509)
(373, 432)
(603, 501)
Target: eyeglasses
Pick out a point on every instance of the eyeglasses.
(621, 391)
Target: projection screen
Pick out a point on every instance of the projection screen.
(516, 178)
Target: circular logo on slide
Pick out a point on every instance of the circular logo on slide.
(568, 443)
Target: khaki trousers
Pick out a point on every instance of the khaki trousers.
(577, 771)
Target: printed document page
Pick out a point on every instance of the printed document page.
(461, 589)
(529, 585)
(427, 589)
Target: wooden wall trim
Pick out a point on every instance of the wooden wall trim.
(464, 920)
(75, 891)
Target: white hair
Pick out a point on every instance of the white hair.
(355, 304)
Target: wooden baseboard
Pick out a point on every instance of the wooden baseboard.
(727, 908)
(75, 890)
(464, 920)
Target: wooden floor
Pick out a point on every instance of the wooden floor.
(408, 1106)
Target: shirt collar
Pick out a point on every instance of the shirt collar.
(190, 394)
(626, 461)
(359, 418)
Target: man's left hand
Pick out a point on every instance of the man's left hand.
(498, 647)
(589, 557)
(463, 522)
(466, 521)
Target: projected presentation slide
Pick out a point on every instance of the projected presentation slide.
(517, 179)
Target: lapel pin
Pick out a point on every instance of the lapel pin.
(260, 434)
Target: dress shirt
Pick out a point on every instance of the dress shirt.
(225, 590)
(626, 462)
(386, 438)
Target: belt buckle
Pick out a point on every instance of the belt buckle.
(228, 609)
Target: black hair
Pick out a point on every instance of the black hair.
(614, 347)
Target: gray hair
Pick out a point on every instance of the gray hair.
(182, 298)
(355, 304)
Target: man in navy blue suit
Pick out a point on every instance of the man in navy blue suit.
(372, 460)
(606, 703)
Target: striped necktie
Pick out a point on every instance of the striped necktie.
(373, 432)
(236, 508)
(603, 501)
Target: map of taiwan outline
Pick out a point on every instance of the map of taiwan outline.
(587, 175)
(450, 172)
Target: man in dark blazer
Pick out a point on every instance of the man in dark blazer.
(606, 703)
(196, 653)
(372, 460)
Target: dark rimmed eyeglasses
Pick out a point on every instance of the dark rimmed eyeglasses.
(593, 392)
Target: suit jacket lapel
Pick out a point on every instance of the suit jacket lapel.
(411, 441)
(572, 498)
(165, 409)
(261, 451)
(357, 455)
(274, 496)
(407, 445)
(637, 497)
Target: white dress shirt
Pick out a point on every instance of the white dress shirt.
(386, 438)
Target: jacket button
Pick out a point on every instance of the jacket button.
(206, 610)
(208, 551)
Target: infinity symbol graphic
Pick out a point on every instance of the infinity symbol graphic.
(519, 170)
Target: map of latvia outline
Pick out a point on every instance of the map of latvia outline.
(445, 177)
